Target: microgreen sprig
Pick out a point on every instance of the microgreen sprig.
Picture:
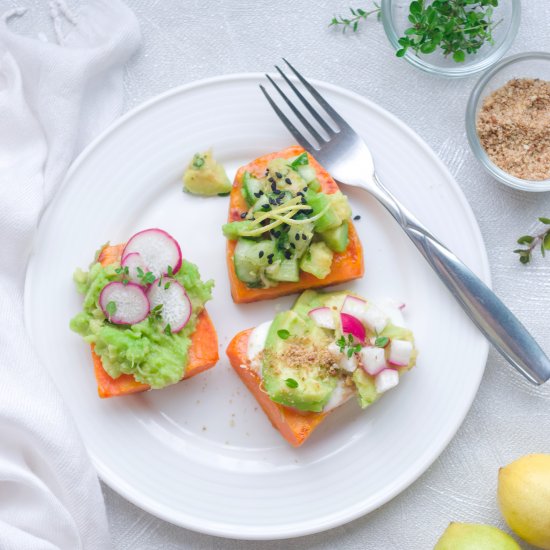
(156, 313)
(350, 344)
(146, 278)
(531, 242)
(357, 16)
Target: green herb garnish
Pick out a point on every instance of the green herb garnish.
(283, 334)
(357, 16)
(122, 270)
(531, 242)
(457, 27)
(156, 313)
(381, 341)
(111, 309)
(146, 278)
(167, 285)
(350, 344)
(291, 383)
(168, 330)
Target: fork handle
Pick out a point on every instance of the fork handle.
(501, 327)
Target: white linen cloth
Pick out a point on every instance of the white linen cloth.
(54, 98)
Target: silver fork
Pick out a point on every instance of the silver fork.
(348, 159)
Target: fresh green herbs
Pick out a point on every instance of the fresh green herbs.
(530, 242)
(111, 309)
(168, 330)
(291, 383)
(355, 17)
(457, 27)
(349, 347)
(381, 341)
(156, 313)
(283, 334)
(146, 278)
(122, 270)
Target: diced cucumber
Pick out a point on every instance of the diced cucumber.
(317, 260)
(261, 204)
(296, 237)
(315, 185)
(234, 230)
(250, 258)
(337, 238)
(307, 172)
(251, 187)
(284, 270)
(318, 202)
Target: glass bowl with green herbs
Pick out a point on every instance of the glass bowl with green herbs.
(452, 38)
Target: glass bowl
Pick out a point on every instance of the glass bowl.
(523, 65)
(395, 19)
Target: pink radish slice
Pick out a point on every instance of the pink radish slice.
(124, 304)
(352, 325)
(354, 306)
(158, 250)
(386, 380)
(323, 317)
(176, 305)
(132, 261)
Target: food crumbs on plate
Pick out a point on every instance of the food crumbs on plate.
(204, 428)
(513, 126)
(232, 423)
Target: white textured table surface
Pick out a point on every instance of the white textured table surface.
(186, 40)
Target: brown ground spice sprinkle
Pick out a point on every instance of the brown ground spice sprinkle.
(513, 126)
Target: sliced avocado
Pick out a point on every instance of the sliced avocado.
(305, 386)
(317, 260)
(337, 238)
(300, 236)
(280, 167)
(319, 203)
(366, 390)
(339, 205)
(204, 176)
(308, 300)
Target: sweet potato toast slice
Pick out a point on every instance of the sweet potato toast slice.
(346, 266)
(203, 352)
(295, 426)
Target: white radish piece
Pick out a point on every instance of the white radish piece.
(344, 362)
(158, 250)
(373, 360)
(176, 305)
(400, 352)
(133, 261)
(354, 306)
(352, 325)
(386, 380)
(323, 317)
(124, 304)
(375, 318)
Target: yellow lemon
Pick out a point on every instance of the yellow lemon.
(473, 536)
(524, 498)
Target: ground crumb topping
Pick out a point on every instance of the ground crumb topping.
(513, 126)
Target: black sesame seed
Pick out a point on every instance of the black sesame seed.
(292, 245)
(258, 194)
(357, 217)
(297, 236)
(288, 254)
(266, 207)
(272, 201)
(304, 200)
(270, 261)
(304, 237)
(260, 253)
(305, 189)
(271, 180)
(299, 194)
(243, 215)
(270, 255)
(287, 180)
(279, 175)
(277, 191)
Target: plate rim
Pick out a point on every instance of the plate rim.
(313, 526)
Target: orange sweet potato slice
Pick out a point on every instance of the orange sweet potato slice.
(203, 352)
(346, 266)
(294, 426)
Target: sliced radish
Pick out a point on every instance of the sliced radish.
(373, 360)
(346, 363)
(354, 306)
(124, 304)
(176, 305)
(158, 250)
(386, 380)
(400, 352)
(323, 317)
(375, 318)
(352, 325)
(133, 261)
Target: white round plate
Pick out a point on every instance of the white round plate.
(201, 454)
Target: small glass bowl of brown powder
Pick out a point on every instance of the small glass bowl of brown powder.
(508, 121)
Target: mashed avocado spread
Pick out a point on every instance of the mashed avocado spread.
(143, 350)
